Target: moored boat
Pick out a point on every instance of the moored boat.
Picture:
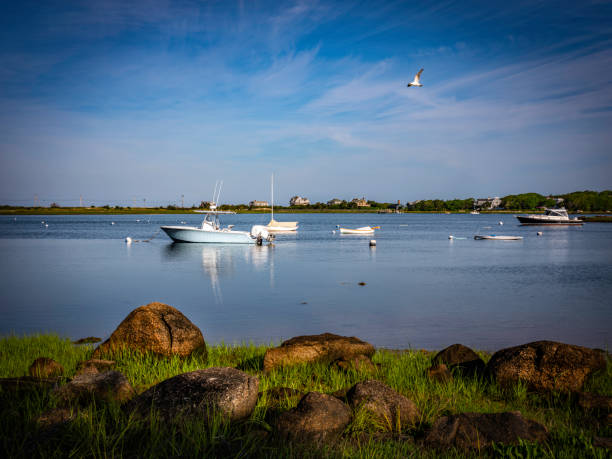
(362, 230)
(279, 227)
(550, 217)
(211, 231)
(493, 237)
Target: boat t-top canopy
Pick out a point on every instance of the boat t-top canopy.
(560, 212)
(215, 211)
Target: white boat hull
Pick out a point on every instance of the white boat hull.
(277, 227)
(498, 238)
(357, 231)
(193, 234)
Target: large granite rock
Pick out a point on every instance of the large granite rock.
(316, 348)
(546, 365)
(156, 328)
(392, 410)
(44, 367)
(224, 391)
(460, 359)
(477, 430)
(318, 418)
(108, 386)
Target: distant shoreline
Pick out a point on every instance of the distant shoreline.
(158, 211)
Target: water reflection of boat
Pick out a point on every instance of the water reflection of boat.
(219, 260)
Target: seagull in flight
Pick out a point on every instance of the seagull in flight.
(417, 80)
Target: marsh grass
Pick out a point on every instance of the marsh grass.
(107, 430)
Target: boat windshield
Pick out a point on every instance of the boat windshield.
(557, 212)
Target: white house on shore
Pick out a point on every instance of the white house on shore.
(259, 204)
(488, 203)
(361, 202)
(299, 201)
(334, 202)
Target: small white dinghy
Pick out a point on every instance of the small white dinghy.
(493, 237)
(362, 230)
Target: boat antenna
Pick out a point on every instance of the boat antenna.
(219, 192)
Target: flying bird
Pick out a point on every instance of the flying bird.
(417, 80)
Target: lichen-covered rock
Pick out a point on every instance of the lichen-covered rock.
(318, 418)
(392, 410)
(546, 365)
(461, 359)
(221, 391)
(477, 430)
(44, 367)
(325, 348)
(108, 386)
(94, 366)
(156, 328)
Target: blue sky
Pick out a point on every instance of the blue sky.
(120, 101)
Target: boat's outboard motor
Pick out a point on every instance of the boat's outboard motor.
(259, 232)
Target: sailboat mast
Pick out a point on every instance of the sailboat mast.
(272, 196)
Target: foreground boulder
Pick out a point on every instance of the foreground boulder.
(156, 328)
(460, 359)
(108, 386)
(94, 366)
(224, 391)
(44, 367)
(316, 348)
(318, 418)
(477, 430)
(546, 365)
(392, 410)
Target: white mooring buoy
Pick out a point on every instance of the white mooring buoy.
(128, 240)
(372, 242)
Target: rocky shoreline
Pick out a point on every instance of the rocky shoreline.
(314, 419)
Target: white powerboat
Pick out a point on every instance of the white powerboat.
(279, 227)
(550, 217)
(362, 230)
(211, 231)
(493, 237)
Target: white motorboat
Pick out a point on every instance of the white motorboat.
(211, 231)
(279, 227)
(475, 212)
(493, 237)
(362, 230)
(550, 217)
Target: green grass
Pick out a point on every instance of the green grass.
(105, 430)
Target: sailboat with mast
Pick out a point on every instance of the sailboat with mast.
(275, 226)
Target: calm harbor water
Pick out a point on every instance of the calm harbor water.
(77, 277)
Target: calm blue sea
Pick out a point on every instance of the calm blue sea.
(78, 277)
